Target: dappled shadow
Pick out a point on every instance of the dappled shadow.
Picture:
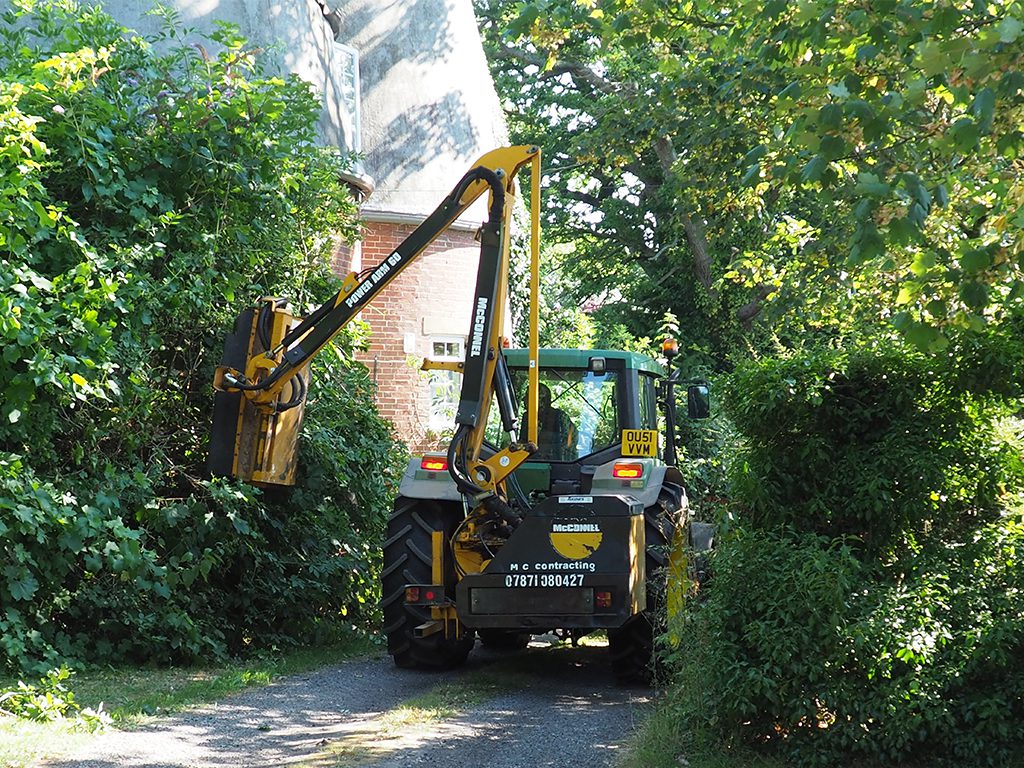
(555, 707)
(281, 724)
(550, 704)
(419, 93)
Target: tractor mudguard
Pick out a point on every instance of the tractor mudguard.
(419, 483)
(644, 490)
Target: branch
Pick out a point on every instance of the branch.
(578, 70)
(697, 239)
(594, 201)
(752, 309)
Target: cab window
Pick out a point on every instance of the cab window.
(648, 402)
(577, 412)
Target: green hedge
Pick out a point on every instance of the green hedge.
(146, 197)
(867, 599)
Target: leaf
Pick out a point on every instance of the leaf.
(869, 244)
(1009, 29)
(983, 109)
(923, 263)
(752, 175)
(754, 155)
(932, 59)
(521, 25)
(14, 415)
(773, 8)
(916, 189)
(21, 583)
(839, 90)
(902, 320)
(964, 133)
(867, 52)
(79, 379)
(917, 214)
(926, 338)
(975, 260)
(908, 294)
(870, 185)
(974, 295)
(830, 116)
(832, 147)
(813, 170)
(40, 282)
(904, 230)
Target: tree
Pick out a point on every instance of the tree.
(856, 163)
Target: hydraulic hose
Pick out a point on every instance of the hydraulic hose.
(488, 499)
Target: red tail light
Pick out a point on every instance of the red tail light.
(434, 464)
(603, 599)
(628, 471)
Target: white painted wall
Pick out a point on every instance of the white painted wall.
(294, 34)
(429, 108)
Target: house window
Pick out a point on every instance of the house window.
(347, 64)
(445, 386)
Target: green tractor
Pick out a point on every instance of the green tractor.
(566, 519)
(600, 540)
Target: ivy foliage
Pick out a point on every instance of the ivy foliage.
(866, 599)
(147, 196)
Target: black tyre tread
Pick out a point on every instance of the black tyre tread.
(408, 559)
(631, 646)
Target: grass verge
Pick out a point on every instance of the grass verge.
(664, 742)
(134, 695)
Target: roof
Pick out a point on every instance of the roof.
(580, 358)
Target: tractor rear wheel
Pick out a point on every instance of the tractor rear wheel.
(408, 559)
(634, 660)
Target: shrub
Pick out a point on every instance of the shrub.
(876, 444)
(800, 649)
(148, 197)
(866, 601)
(51, 700)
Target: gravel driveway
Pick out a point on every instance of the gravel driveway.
(556, 706)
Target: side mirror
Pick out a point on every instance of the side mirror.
(698, 401)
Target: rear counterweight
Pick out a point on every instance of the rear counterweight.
(575, 562)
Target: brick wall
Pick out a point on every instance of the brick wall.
(432, 297)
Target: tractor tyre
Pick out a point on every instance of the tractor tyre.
(408, 559)
(504, 639)
(634, 661)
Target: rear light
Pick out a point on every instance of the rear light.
(434, 464)
(424, 594)
(628, 471)
(603, 599)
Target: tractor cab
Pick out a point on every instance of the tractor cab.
(588, 401)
